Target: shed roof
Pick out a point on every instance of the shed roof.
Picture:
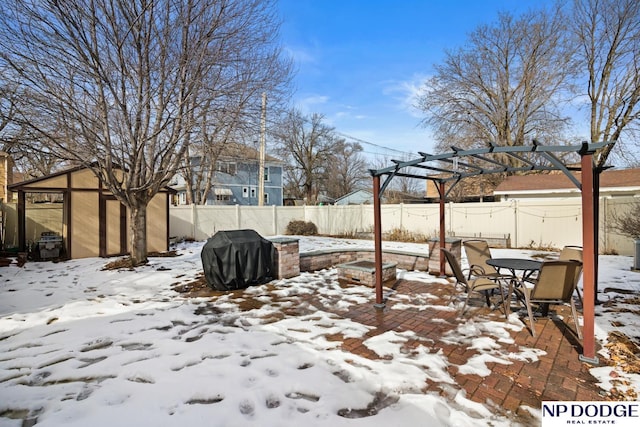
(27, 185)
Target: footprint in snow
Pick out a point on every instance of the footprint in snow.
(246, 408)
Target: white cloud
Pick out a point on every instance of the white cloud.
(406, 92)
(310, 103)
(300, 55)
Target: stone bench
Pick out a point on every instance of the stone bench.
(318, 260)
(494, 240)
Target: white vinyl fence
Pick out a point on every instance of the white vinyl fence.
(531, 223)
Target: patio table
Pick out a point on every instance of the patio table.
(526, 266)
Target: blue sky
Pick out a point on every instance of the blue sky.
(360, 62)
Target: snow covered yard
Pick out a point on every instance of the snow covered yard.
(80, 345)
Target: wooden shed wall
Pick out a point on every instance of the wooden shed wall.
(84, 224)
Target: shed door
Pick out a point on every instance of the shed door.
(114, 238)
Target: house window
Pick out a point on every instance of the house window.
(266, 174)
(226, 167)
(222, 194)
(253, 192)
(183, 198)
(245, 192)
(266, 198)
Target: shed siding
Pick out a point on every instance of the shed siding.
(157, 223)
(53, 182)
(84, 178)
(113, 227)
(85, 230)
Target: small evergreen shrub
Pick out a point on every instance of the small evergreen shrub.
(301, 228)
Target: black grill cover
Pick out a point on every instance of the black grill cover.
(237, 259)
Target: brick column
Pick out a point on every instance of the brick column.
(287, 262)
(452, 244)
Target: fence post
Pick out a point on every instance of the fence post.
(194, 220)
(604, 221)
(238, 225)
(275, 220)
(450, 222)
(516, 213)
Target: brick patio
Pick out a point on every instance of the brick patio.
(557, 375)
(509, 389)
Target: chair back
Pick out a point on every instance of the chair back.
(478, 253)
(455, 266)
(556, 281)
(572, 253)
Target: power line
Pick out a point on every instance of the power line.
(307, 120)
(362, 141)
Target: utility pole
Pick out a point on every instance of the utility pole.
(263, 131)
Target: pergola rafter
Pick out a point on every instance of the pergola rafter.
(452, 167)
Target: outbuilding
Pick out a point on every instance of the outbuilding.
(89, 219)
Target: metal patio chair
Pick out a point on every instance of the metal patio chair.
(478, 253)
(478, 284)
(554, 286)
(573, 253)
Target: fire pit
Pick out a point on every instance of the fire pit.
(364, 272)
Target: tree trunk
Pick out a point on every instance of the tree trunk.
(138, 242)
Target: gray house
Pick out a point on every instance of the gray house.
(235, 180)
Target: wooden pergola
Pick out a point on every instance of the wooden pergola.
(448, 169)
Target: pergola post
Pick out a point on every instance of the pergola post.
(377, 236)
(589, 278)
(22, 223)
(596, 228)
(442, 226)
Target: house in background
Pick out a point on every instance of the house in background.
(472, 189)
(235, 181)
(357, 197)
(618, 183)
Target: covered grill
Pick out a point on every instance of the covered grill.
(236, 259)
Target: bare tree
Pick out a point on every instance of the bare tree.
(30, 157)
(120, 86)
(627, 222)
(504, 86)
(347, 169)
(608, 33)
(306, 145)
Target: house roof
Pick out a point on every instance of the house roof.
(236, 151)
(623, 178)
(362, 192)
